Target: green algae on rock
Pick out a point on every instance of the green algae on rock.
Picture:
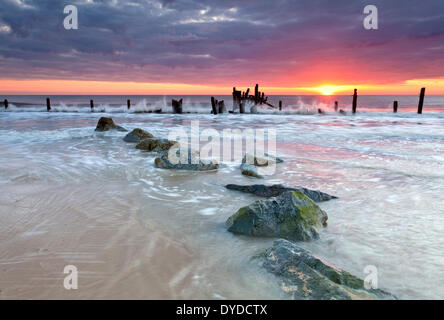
(291, 215)
(305, 276)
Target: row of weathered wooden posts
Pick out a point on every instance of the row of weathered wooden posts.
(241, 98)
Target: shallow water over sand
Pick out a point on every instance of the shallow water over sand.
(70, 195)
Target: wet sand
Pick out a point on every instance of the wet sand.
(116, 256)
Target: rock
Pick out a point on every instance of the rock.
(156, 145)
(250, 170)
(137, 135)
(261, 161)
(291, 215)
(305, 276)
(192, 162)
(277, 189)
(106, 124)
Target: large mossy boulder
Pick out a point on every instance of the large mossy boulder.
(137, 135)
(105, 124)
(305, 276)
(156, 145)
(184, 159)
(277, 189)
(291, 215)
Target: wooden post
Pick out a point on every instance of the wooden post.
(221, 106)
(128, 104)
(234, 98)
(213, 105)
(355, 100)
(6, 103)
(48, 104)
(241, 107)
(395, 106)
(237, 99)
(247, 93)
(336, 106)
(263, 97)
(421, 100)
(177, 106)
(280, 105)
(91, 103)
(256, 92)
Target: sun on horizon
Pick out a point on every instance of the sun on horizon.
(329, 89)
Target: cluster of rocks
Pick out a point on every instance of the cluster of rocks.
(287, 213)
(292, 215)
(170, 153)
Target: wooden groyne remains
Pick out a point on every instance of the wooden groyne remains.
(243, 99)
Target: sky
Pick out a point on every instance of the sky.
(209, 46)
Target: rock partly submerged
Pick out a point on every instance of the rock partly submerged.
(291, 215)
(305, 276)
(106, 124)
(250, 170)
(156, 145)
(277, 189)
(261, 161)
(137, 135)
(184, 159)
(251, 164)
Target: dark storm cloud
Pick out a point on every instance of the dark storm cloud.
(281, 42)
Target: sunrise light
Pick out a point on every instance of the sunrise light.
(328, 90)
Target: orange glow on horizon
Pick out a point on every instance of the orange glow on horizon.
(85, 87)
(328, 90)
